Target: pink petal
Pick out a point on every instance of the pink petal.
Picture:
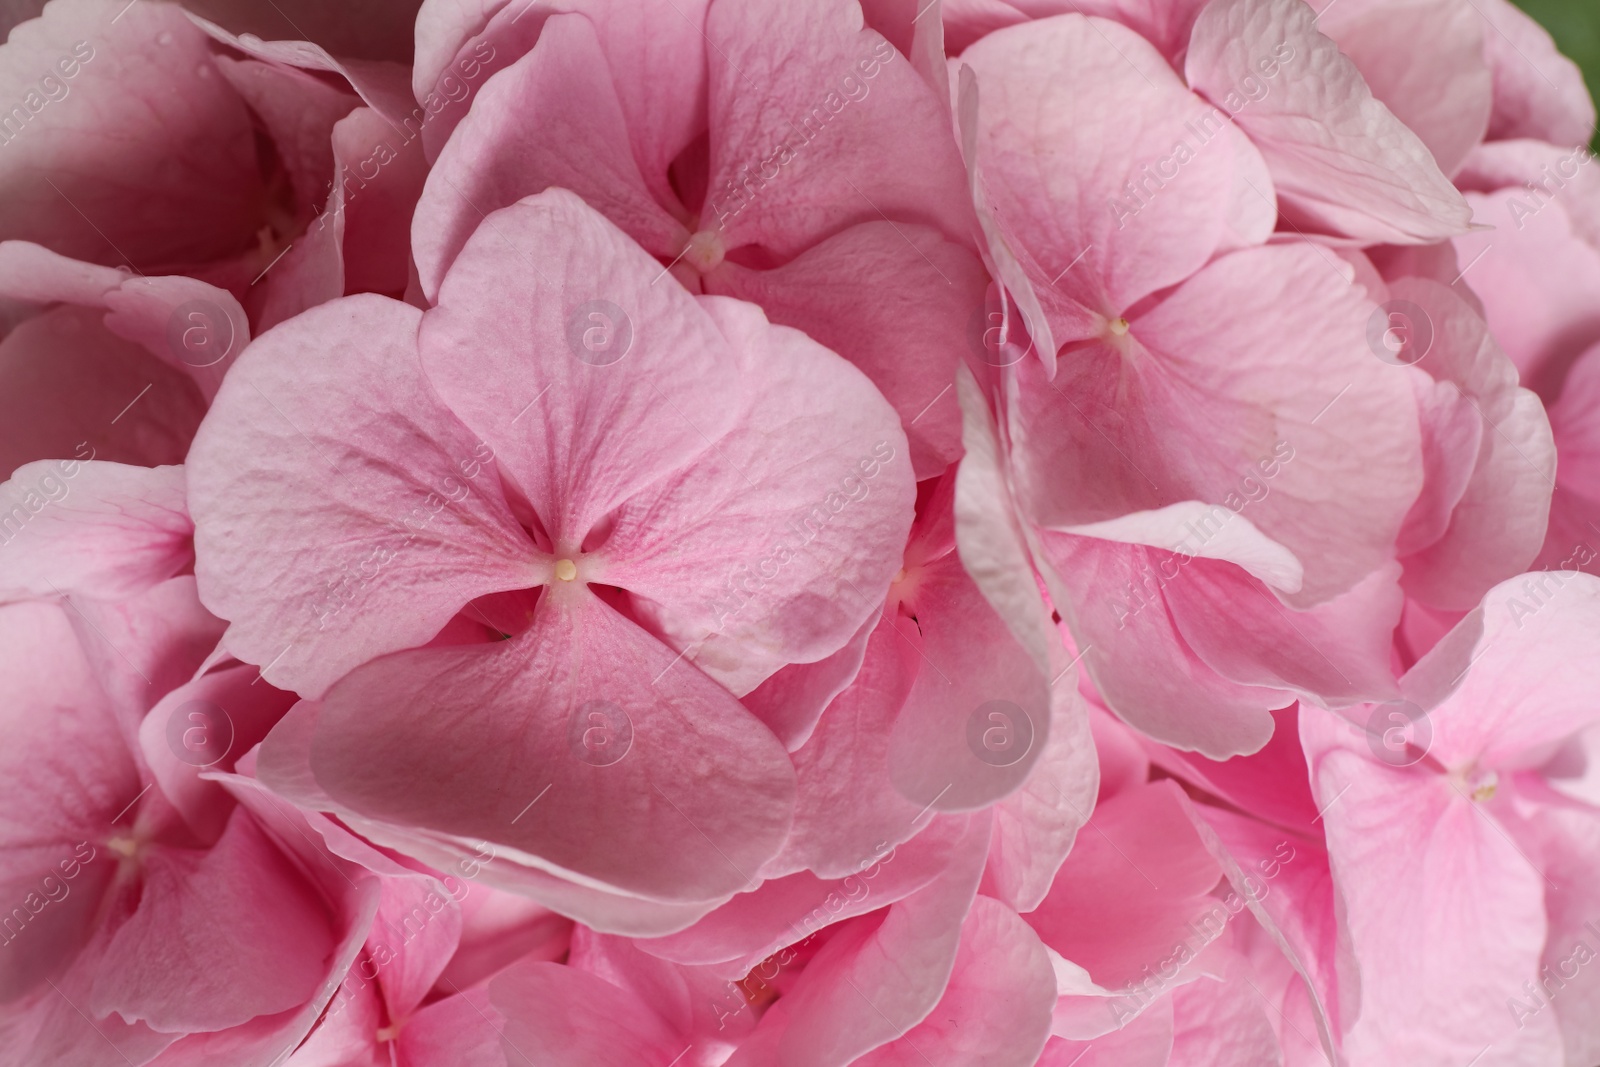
(100, 530)
(1145, 1042)
(70, 389)
(1035, 827)
(989, 535)
(979, 714)
(1528, 684)
(219, 938)
(460, 717)
(1338, 652)
(1184, 703)
(817, 98)
(552, 118)
(1099, 99)
(151, 136)
(1443, 916)
(328, 429)
(1538, 92)
(565, 1017)
(1443, 93)
(875, 980)
(1341, 161)
(895, 300)
(1143, 871)
(1537, 281)
(207, 725)
(996, 1007)
(1215, 1021)
(1116, 433)
(1514, 472)
(792, 701)
(782, 911)
(458, 1031)
(753, 498)
(847, 805)
(68, 772)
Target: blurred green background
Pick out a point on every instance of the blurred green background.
(1575, 24)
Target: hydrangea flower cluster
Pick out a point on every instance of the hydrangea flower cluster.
(681, 533)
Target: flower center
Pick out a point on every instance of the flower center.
(566, 570)
(1118, 327)
(705, 251)
(124, 846)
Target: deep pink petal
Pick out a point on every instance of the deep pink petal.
(152, 162)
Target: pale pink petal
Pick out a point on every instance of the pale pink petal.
(329, 425)
(1106, 116)
(1338, 652)
(792, 701)
(1538, 92)
(1498, 523)
(749, 488)
(1536, 275)
(818, 99)
(979, 714)
(895, 300)
(1444, 917)
(1284, 396)
(1342, 163)
(989, 535)
(1443, 93)
(1171, 529)
(1121, 630)
(1529, 685)
(1035, 827)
